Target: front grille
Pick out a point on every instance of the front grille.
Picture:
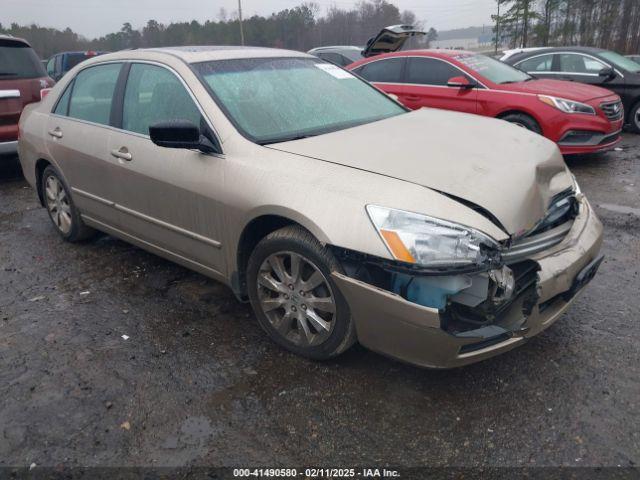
(610, 138)
(550, 231)
(613, 110)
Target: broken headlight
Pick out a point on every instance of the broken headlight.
(428, 241)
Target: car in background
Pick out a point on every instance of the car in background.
(62, 62)
(593, 66)
(23, 80)
(580, 120)
(388, 39)
(343, 220)
(635, 58)
(338, 55)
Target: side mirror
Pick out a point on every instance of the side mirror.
(460, 82)
(607, 72)
(180, 134)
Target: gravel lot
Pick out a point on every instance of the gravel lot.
(198, 383)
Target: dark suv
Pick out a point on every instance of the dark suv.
(22, 78)
(593, 66)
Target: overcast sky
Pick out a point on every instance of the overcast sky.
(94, 18)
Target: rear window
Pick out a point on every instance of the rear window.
(18, 60)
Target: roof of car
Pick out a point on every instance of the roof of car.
(4, 37)
(337, 47)
(203, 53)
(534, 52)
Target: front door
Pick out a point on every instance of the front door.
(167, 197)
(426, 82)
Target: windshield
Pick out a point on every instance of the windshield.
(278, 99)
(620, 61)
(493, 70)
(18, 60)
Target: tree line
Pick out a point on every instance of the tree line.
(298, 28)
(609, 24)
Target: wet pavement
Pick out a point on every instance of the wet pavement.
(196, 382)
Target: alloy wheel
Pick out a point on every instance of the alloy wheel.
(296, 298)
(58, 204)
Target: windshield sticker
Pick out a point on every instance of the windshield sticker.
(334, 71)
(474, 62)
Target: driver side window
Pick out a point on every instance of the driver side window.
(154, 94)
(574, 63)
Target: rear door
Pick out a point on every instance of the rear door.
(426, 80)
(167, 197)
(387, 74)
(78, 132)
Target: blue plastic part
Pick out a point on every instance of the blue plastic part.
(431, 291)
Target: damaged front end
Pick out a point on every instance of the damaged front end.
(473, 307)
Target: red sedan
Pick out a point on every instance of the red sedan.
(579, 118)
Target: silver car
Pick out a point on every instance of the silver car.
(434, 237)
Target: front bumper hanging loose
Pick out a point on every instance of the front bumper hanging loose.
(391, 325)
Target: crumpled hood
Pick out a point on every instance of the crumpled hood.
(579, 92)
(508, 171)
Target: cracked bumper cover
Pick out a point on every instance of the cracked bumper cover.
(389, 324)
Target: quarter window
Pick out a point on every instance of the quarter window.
(92, 93)
(389, 71)
(154, 94)
(62, 108)
(429, 71)
(537, 64)
(572, 63)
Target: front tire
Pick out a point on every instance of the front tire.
(294, 297)
(523, 120)
(62, 211)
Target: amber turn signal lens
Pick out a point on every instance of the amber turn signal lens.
(397, 247)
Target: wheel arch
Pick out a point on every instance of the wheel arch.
(40, 166)
(521, 111)
(259, 226)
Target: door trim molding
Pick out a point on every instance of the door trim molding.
(147, 218)
(153, 247)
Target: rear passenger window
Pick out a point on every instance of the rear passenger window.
(93, 93)
(154, 94)
(62, 108)
(537, 64)
(389, 71)
(429, 71)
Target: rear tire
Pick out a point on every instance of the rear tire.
(294, 297)
(62, 211)
(634, 118)
(523, 120)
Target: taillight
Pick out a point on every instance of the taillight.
(44, 92)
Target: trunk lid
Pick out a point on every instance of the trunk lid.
(510, 172)
(390, 39)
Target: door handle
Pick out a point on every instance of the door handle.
(122, 154)
(56, 132)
